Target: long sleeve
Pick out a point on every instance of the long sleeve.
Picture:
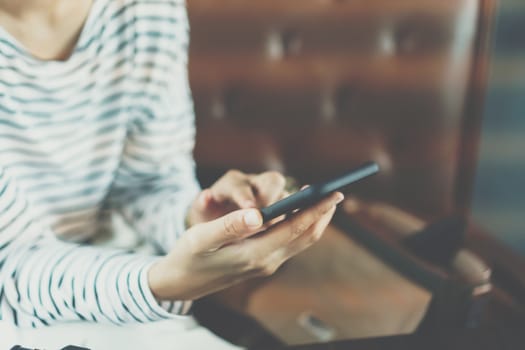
(156, 182)
(44, 280)
(109, 129)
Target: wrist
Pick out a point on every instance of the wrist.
(163, 282)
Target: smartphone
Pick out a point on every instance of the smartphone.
(314, 193)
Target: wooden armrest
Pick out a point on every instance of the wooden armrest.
(401, 226)
(399, 222)
(432, 255)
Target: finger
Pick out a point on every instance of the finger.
(234, 187)
(229, 228)
(269, 187)
(243, 196)
(304, 241)
(288, 230)
(204, 199)
(279, 218)
(223, 189)
(312, 235)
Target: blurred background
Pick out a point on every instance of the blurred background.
(499, 197)
(431, 90)
(315, 87)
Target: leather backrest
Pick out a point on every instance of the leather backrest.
(315, 87)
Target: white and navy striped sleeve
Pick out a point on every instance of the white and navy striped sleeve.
(136, 160)
(44, 280)
(156, 182)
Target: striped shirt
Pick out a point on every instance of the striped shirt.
(108, 131)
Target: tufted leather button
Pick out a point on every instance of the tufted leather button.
(274, 46)
(217, 108)
(387, 43)
(282, 43)
(420, 33)
(328, 107)
(383, 157)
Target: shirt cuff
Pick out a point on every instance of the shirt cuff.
(140, 292)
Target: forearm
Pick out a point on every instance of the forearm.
(44, 280)
(51, 281)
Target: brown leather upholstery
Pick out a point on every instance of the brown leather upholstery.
(314, 87)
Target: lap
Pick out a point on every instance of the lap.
(182, 333)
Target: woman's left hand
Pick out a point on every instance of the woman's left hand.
(237, 190)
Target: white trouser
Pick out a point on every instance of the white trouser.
(163, 335)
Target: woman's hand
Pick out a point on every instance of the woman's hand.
(236, 190)
(217, 254)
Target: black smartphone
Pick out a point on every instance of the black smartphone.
(314, 193)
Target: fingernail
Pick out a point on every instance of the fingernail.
(252, 218)
(339, 198)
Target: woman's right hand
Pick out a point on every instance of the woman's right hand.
(215, 255)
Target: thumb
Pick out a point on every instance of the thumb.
(229, 228)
